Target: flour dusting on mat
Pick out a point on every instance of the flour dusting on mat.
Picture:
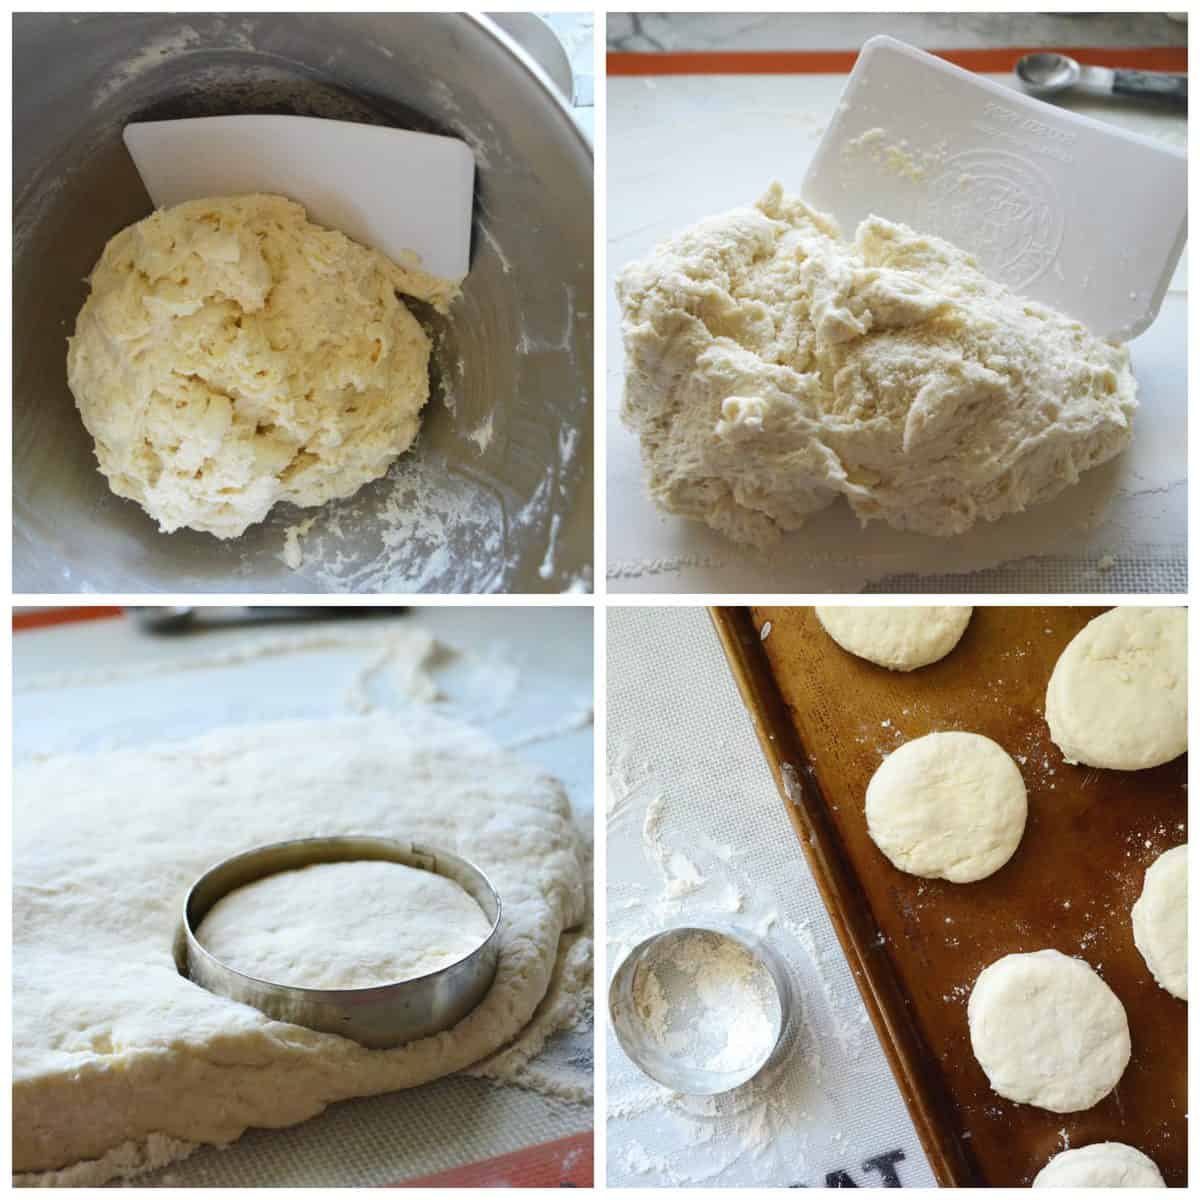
(766, 1130)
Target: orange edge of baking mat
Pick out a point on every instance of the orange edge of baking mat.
(565, 1163)
(839, 62)
(61, 616)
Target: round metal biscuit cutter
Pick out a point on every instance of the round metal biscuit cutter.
(379, 1016)
(647, 1052)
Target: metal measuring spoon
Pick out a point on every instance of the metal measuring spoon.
(1047, 73)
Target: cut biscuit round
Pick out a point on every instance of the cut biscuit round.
(947, 806)
(1048, 1031)
(1118, 694)
(901, 639)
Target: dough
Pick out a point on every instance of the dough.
(1118, 694)
(232, 354)
(899, 638)
(947, 806)
(772, 367)
(344, 925)
(1048, 1031)
(116, 1056)
(1160, 921)
(1105, 1164)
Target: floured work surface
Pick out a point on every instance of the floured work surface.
(122, 1063)
(916, 946)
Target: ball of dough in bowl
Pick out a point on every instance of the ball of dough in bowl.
(1160, 921)
(947, 806)
(1118, 694)
(901, 639)
(1048, 1031)
(1103, 1165)
(232, 354)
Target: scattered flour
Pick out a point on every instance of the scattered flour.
(769, 1130)
(482, 434)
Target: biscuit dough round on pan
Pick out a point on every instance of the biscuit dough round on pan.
(947, 806)
(1101, 1165)
(1118, 694)
(900, 639)
(1160, 921)
(1048, 1031)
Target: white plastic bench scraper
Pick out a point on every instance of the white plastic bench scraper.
(391, 189)
(1084, 217)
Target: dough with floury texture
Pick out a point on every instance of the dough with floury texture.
(344, 925)
(232, 355)
(119, 1061)
(899, 638)
(1048, 1031)
(772, 367)
(947, 806)
(1117, 697)
(1101, 1165)
(1160, 921)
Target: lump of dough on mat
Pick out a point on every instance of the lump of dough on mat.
(1102, 1165)
(772, 367)
(947, 806)
(900, 638)
(232, 354)
(1048, 1031)
(1160, 920)
(1118, 694)
(344, 925)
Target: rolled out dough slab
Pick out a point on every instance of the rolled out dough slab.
(119, 1061)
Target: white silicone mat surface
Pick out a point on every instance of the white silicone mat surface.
(695, 830)
(523, 675)
(685, 147)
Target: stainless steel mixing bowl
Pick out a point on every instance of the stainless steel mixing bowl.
(497, 495)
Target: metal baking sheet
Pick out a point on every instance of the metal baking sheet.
(826, 720)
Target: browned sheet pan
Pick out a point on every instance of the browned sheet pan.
(826, 720)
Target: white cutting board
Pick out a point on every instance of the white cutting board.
(395, 190)
(1083, 215)
(685, 147)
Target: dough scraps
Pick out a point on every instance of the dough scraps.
(899, 638)
(118, 1058)
(772, 367)
(232, 354)
(1118, 694)
(344, 925)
